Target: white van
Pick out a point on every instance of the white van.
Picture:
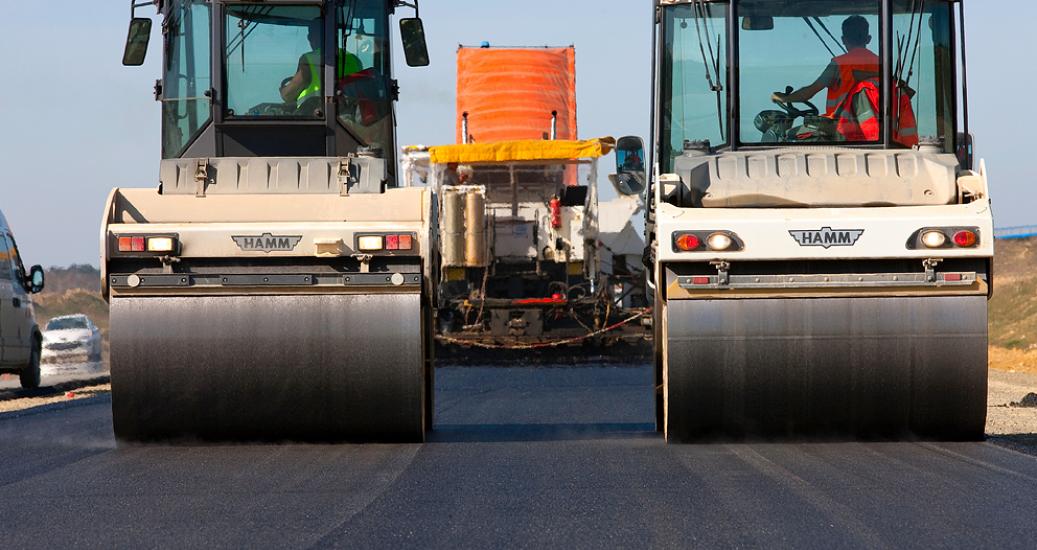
(20, 337)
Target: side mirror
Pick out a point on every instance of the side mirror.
(137, 42)
(415, 48)
(630, 166)
(757, 23)
(36, 279)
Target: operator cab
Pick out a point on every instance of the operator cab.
(291, 79)
(789, 96)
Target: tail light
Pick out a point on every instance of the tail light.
(965, 239)
(388, 242)
(713, 241)
(157, 245)
(934, 239)
(688, 242)
(161, 244)
(370, 243)
(944, 237)
(719, 242)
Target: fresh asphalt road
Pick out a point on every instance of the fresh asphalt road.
(521, 457)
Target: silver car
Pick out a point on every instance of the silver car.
(71, 342)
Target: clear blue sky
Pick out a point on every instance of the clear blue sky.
(74, 123)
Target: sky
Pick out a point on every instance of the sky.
(74, 123)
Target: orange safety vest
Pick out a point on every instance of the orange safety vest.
(853, 101)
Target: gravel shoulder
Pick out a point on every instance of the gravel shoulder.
(60, 393)
(1012, 426)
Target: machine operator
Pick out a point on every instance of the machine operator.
(306, 83)
(850, 78)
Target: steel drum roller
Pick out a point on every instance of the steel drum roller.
(299, 368)
(829, 367)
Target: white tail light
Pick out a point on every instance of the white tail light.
(371, 243)
(719, 241)
(934, 239)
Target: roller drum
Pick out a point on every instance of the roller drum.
(269, 368)
(873, 368)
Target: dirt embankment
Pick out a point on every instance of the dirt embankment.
(1013, 310)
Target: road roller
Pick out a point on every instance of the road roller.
(275, 285)
(820, 237)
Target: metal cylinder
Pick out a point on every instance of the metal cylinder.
(475, 229)
(869, 368)
(453, 235)
(332, 367)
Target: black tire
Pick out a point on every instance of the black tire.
(30, 375)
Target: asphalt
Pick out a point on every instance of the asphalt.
(521, 457)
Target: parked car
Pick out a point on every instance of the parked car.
(71, 342)
(20, 337)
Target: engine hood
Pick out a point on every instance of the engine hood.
(818, 177)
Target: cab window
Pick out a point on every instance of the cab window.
(362, 89)
(274, 61)
(185, 107)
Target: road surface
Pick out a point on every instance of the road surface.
(522, 457)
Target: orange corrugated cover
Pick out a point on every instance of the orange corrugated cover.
(509, 93)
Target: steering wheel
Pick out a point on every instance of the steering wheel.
(790, 108)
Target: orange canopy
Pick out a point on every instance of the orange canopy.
(510, 93)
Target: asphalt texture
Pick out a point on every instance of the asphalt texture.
(521, 457)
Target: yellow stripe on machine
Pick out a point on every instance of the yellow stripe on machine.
(517, 151)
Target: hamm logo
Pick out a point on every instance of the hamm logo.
(827, 237)
(268, 243)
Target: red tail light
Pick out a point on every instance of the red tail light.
(689, 242)
(392, 242)
(131, 244)
(965, 239)
(147, 244)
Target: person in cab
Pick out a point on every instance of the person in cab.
(853, 81)
(306, 84)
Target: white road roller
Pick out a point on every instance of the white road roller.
(275, 286)
(817, 271)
